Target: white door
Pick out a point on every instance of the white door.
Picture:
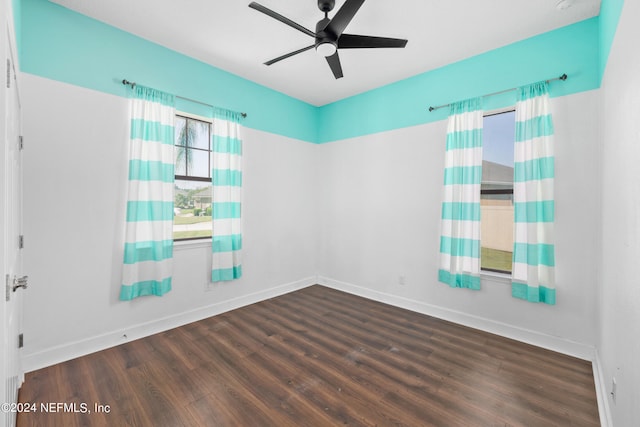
(15, 283)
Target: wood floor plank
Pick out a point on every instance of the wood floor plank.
(317, 357)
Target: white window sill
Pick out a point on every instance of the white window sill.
(191, 244)
(491, 276)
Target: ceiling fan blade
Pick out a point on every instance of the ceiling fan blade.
(342, 17)
(334, 63)
(280, 58)
(353, 41)
(283, 19)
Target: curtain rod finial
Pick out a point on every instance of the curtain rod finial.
(563, 77)
(431, 109)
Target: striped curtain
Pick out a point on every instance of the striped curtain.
(227, 197)
(533, 277)
(460, 234)
(148, 248)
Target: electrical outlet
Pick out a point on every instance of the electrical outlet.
(614, 389)
(401, 280)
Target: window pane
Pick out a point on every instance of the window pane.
(200, 134)
(179, 130)
(198, 163)
(192, 214)
(498, 138)
(497, 231)
(180, 160)
(496, 199)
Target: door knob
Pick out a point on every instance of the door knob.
(19, 282)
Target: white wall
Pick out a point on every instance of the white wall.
(381, 202)
(362, 212)
(75, 174)
(619, 338)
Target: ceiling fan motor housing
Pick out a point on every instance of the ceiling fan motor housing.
(326, 5)
(326, 41)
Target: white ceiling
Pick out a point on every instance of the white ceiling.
(231, 36)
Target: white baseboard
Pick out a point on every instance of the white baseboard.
(79, 348)
(601, 392)
(560, 345)
(68, 351)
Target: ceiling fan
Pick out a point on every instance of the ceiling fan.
(329, 33)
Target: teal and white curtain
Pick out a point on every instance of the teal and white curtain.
(460, 233)
(227, 197)
(533, 273)
(148, 248)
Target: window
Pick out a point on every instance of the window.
(496, 192)
(192, 192)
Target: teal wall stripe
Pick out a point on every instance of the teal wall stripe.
(459, 280)
(534, 170)
(224, 274)
(464, 139)
(63, 45)
(152, 131)
(89, 54)
(223, 144)
(571, 49)
(149, 211)
(228, 177)
(226, 210)
(532, 294)
(460, 247)
(148, 251)
(140, 170)
(534, 254)
(461, 211)
(149, 287)
(227, 243)
(543, 211)
(534, 128)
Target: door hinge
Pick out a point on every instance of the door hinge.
(21, 242)
(8, 288)
(8, 73)
(20, 142)
(20, 340)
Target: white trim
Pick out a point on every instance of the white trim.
(68, 351)
(560, 345)
(182, 245)
(194, 116)
(601, 392)
(495, 277)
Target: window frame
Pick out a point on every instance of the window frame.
(493, 271)
(209, 121)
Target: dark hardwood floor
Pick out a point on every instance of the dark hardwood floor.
(316, 357)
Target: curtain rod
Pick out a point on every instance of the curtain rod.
(562, 77)
(133, 84)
